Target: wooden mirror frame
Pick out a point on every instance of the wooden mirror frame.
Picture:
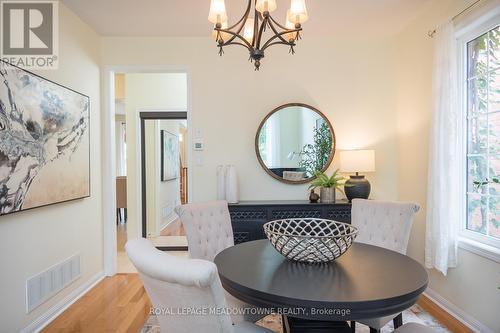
(272, 174)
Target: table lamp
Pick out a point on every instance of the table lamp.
(357, 186)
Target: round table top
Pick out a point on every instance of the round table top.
(367, 281)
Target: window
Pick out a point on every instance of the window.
(483, 136)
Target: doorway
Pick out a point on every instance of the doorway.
(164, 177)
(161, 88)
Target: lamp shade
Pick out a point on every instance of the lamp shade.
(290, 26)
(248, 30)
(357, 161)
(217, 12)
(265, 5)
(298, 11)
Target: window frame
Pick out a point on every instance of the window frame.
(475, 242)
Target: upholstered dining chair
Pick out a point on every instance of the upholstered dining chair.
(208, 228)
(176, 284)
(388, 225)
(209, 231)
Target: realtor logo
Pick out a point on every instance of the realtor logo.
(29, 33)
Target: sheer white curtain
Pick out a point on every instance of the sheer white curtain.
(443, 198)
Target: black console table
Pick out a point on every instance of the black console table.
(248, 217)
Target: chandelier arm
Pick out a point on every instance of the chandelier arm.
(280, 36)
(238, 43)
(277, 23)
(279, 43)
(255, 26)
(235, 35)
(242, 19)
(265, 21)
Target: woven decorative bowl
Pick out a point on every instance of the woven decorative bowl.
(310, 240)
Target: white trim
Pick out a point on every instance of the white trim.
(172, 218)
(109, 156)
(109, 175)
(477, 23)
(456, 312)
(479, 248)
(53, 312)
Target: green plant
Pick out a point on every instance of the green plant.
(322, 180)
(314, 157)
(480, 183)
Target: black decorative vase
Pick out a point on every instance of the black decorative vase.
(357, 188)
(313, 197)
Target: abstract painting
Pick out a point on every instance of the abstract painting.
(44, 141)
(169, 156)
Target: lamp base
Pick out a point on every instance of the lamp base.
(357, 188)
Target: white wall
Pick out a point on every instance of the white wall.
(473, 285)
(146, 92)
(351, 81)
(32, 241)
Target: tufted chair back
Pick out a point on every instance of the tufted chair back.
(382, 223)
(208, 228)
(174, 284)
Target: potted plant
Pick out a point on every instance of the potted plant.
(313, 157)
(327, 185)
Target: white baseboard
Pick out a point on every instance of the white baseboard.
(38, 324)
(456, 312)
(171, 219)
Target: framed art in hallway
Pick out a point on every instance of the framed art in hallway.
(169, 156)
(44, 141)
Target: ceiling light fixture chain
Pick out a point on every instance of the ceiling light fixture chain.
(249, 32)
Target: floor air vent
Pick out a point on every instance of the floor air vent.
(46, 284)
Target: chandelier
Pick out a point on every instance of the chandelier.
(249, 31)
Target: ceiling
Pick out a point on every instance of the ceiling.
(188, 18)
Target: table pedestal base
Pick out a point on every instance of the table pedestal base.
(296, 325)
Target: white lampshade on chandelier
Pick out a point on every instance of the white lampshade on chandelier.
(249, 31)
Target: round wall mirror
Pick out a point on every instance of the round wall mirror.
(293, 142)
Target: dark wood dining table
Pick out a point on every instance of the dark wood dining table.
(366, 282)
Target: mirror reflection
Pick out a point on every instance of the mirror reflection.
(166, 181)
(294, 141)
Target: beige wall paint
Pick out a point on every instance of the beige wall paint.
(472, 286)
(32, 241)
(348, 80)
(146, 92)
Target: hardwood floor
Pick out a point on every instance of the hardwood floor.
(120, 304)
(442, 316)
(116, 304)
